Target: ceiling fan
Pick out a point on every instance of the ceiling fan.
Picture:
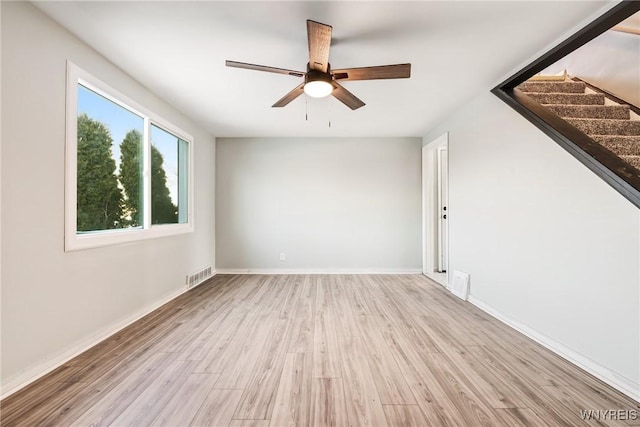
(319, 79)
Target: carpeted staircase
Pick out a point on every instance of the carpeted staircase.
(611, 124)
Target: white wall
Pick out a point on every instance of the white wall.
(56, 303)
(611, 61)
(549, 246)
(331, 204)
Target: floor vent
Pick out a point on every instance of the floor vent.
(198, 277)
(460, 285)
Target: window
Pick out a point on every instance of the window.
(169, 156)
(128, 172)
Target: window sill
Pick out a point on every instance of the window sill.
(81, 242)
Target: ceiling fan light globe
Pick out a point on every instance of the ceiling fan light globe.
(318, 89)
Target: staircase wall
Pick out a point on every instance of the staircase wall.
(550, 248)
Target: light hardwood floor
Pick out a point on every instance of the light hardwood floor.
(315, 350)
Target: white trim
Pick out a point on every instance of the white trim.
(318, 271)
(146, 171)
(46, 366)
(74, 241)
(615, 380)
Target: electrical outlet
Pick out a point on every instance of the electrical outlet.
(283, 256)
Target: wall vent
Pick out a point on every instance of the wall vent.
(460, 285)
(198, 277)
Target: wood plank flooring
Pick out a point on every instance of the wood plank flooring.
(316, 350)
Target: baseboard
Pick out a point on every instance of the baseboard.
(20, 381)
(317, 271)
(615, 380)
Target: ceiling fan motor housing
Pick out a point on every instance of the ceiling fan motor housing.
(316, 75)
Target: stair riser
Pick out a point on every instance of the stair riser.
(631, 149)
(607, 127)
(620, 112)
(568, 98)
(553, 87)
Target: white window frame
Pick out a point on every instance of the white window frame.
(75, 241)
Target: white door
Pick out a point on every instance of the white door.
(442, 206)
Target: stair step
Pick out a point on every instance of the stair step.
(568, 98)
(607, 126)
(591, 111)
(621, 145)
(632, 160)
(552, 87)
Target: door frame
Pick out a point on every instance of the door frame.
(430, 209)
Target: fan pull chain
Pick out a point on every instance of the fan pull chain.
(330, 101)
(306, 110)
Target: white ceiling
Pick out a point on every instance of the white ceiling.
(457, 50)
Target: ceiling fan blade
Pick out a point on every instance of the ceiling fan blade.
(319, 36)
(299, 90)
(346, 97)
(397, 71)
(236, 64)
